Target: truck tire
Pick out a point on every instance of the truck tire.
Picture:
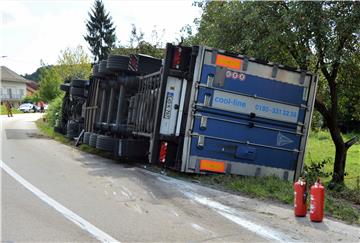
(72, 129)
(106, 143)
(92, 139)
(79, 83)
(65, 87)
(78, 92)
(58, 129)
(86, 137)
(118, 63)
(102, 68)
(95, 70)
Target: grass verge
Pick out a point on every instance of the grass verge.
(343, 204)
(3, 110)
(320, 147)
(49, 131)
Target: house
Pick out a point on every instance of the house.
(31, 87)
(13, 86)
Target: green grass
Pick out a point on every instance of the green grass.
(3, 110)
(49, 131)
(320, 147)
(343, 204)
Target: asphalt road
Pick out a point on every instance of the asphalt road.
(55, 193)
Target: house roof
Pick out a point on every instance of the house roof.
(32, 84)
(9, 75)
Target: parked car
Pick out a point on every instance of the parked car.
(28, 107)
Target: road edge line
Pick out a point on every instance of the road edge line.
(67, 213)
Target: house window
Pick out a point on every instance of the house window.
(9, 93)
(21, 93)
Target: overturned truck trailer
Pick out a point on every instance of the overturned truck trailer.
(202, 110)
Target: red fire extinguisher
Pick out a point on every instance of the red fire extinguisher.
(300, 196)
(317, 198)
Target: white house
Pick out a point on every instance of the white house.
(12, 87)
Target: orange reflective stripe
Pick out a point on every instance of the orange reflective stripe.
(210, 165)
(229, 62)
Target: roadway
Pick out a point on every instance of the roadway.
(55, 193)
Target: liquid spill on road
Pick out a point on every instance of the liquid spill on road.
(230, 213)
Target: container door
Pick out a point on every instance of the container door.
(248, 120)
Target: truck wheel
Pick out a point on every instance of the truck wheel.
(72, 129)
(78, 92)
(117, 63)
(65, 87)
(86, 137)
(106, 143)
(58, 129)
(79, 83)
(102, 70)
(92, 140)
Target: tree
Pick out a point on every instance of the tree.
(139, 45)
(317, 36)
(136, 36)
(35, 76)
(34, 98)
(74, 64)
(100, 31)
(50, 81)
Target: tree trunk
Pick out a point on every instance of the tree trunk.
(341, 147)
(340, 151)
(339, 164)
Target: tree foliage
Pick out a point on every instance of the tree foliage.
(50, 81)
(35, 76)
(100, 31)
(138, 44)
(54, 110)
(319, 36)
(74, 64)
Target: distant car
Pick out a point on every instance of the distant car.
(28, 107)
(37, 108)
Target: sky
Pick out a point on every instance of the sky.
(35, 30)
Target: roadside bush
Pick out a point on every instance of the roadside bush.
(316, 170)
(55, 110)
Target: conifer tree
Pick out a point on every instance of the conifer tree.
(100, 31)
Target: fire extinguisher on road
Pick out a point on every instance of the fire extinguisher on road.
(300, 196)
(317, 198)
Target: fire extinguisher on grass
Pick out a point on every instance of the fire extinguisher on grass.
(300, 196)
(317, 198)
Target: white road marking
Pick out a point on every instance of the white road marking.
(67, 213)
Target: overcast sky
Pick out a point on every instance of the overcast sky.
(35, 30)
